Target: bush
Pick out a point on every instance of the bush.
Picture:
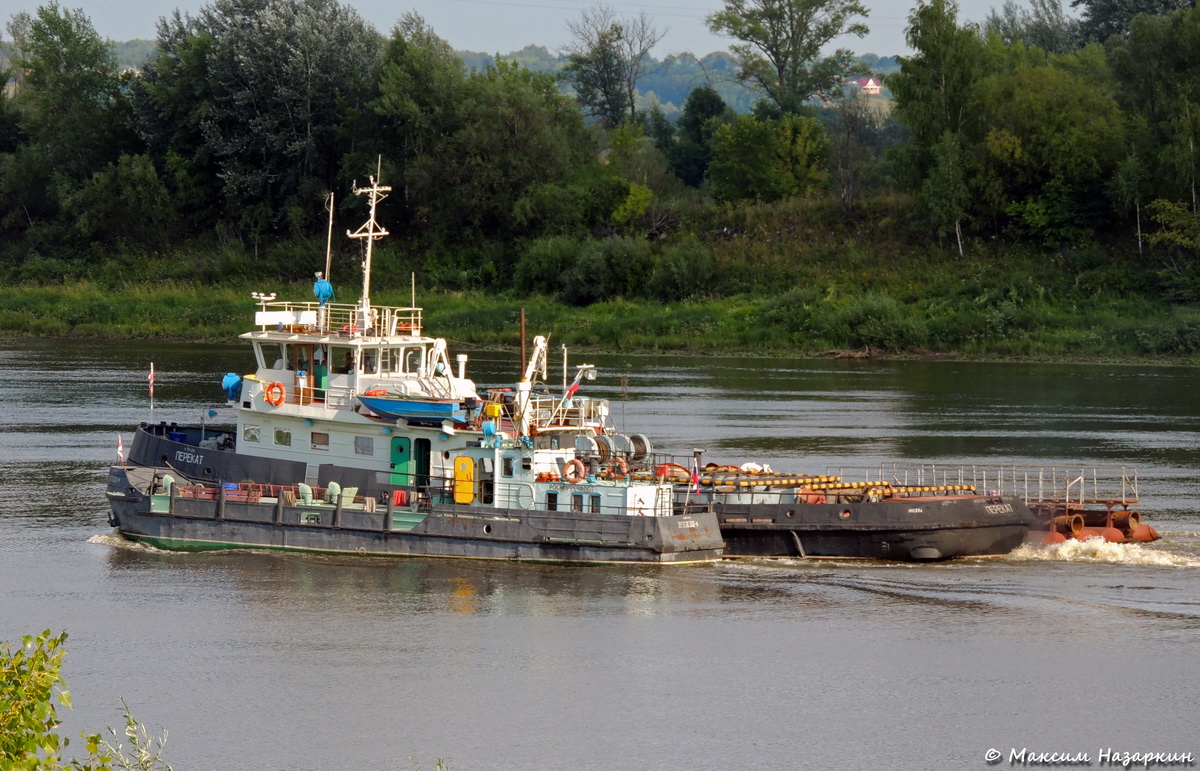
(683, 270)
(543, 268)
(876, 321)
(609, 268)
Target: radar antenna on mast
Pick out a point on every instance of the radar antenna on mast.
(371, 231)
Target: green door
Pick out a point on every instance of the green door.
(401, 461)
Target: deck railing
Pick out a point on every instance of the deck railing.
(1068, 485)
(339, 318)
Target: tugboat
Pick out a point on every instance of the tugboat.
(355, 435)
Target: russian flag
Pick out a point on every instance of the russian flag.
(695, 476)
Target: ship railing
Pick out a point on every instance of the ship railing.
(1072, 486)
(555, 411)
(339, 319)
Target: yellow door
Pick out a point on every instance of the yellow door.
(464, 479)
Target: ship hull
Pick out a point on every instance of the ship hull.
(906, 530)
(172, 522)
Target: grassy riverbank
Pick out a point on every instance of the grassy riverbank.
(969, 312)
(795, 278)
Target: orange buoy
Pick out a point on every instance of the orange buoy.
(274, 394)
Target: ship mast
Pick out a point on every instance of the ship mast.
(371, 231)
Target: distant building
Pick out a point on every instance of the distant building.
(869, 86)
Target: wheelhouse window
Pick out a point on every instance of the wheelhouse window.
(551, 501)
(506, 466)
(283, 437)
(412, 361)
(364, 445)
(250, 433)
(595, 504)
(270, 356)
(577, 502)
(341, 360)
(370, 361)
(320, 440)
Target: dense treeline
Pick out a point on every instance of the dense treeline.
(213, 162)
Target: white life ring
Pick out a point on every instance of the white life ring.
(575, 471)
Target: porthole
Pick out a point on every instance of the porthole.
(845, 514)
(487, 529)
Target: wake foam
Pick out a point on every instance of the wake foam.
(117, 542)
(1096, 549)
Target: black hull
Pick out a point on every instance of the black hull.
(896, 529)
(900, 529)
(463, 532)
(178, 449)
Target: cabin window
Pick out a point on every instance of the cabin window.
(370, 362)
(341, 360)
(270, 356)
(392, 360)
(320, 440)
(297, 356)
(551, 501)
(506, 466)
(412, 360)
(364, 445)
(250, 433)
(283, 437)
(527, 463)
(595, 501)
(576, 502)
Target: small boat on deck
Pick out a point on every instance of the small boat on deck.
(414, 409)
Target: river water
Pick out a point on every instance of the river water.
(269, 661)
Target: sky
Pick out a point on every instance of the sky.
(503, 26)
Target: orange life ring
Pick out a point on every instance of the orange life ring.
(575, 471)
(618, 469)
(274, 394)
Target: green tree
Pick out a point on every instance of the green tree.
(767, 160)
(598, 73)
(124, 204)
(514, 132)
(1054, 142)
(744, 161)
(1101, 19)
(606, 59)
(1180, 226)
(71, 118)
(419, 100)
(854, 128)
(254, 92)
(1045, 25)
(31, 690)
(73, 110)
(780, 53)
(945, 191)
(934, 88)
(1157, 69)
(703, 111)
